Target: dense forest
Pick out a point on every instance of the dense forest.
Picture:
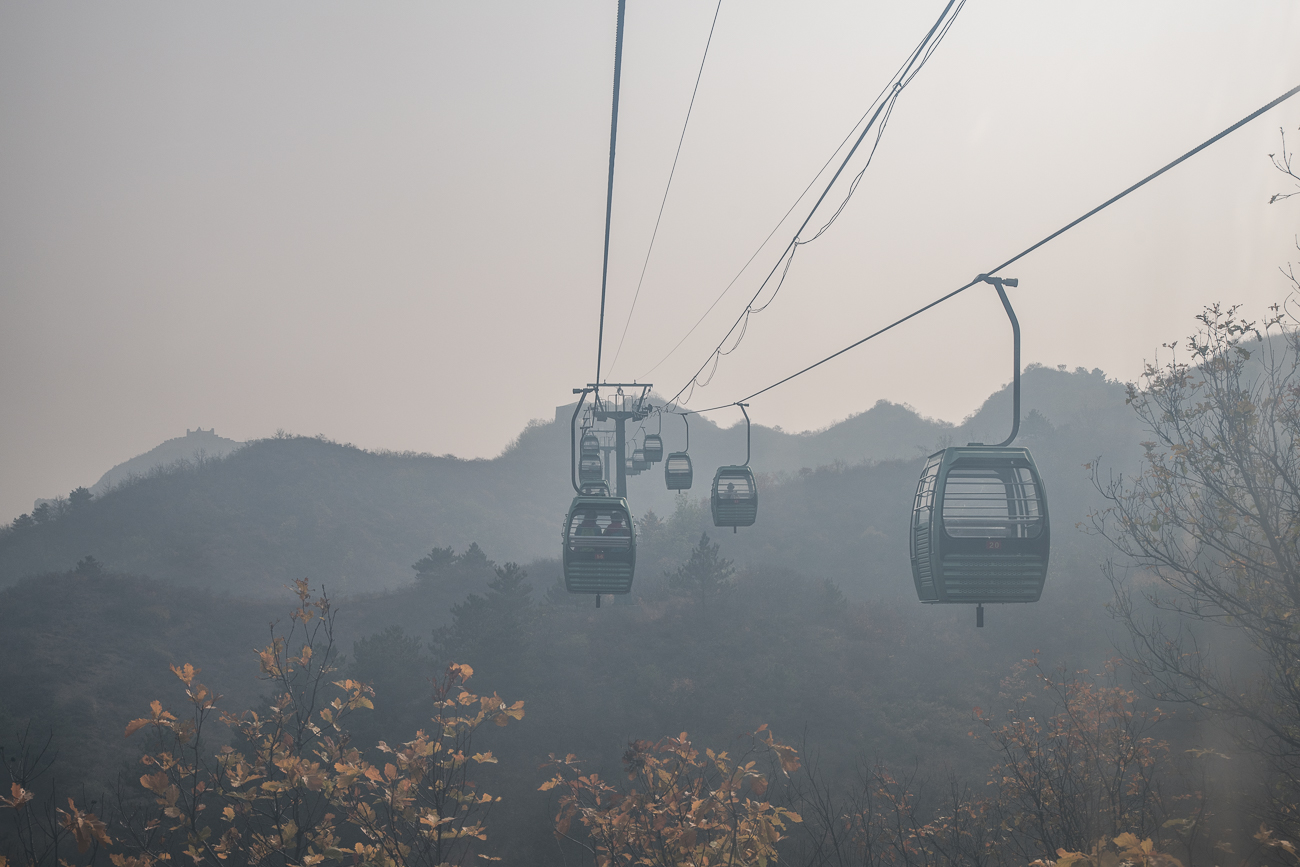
(776, 693)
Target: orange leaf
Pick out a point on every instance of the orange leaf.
(185, 673)
(135, 725)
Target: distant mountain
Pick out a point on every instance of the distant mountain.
(288, 507)
(196, 445)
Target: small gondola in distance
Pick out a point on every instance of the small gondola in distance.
(678, 473)
(590, 468)
(733, 499)
(653, 448)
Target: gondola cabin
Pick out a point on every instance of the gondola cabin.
(590, 468)
(653, 448)
(599, 546)
(678, 474)
(590, 444)
(596, 489)
(735, 497)
(980, 532)
(639, 463)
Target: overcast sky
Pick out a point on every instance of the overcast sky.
(383, 222)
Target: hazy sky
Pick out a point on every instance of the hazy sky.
(382, 222)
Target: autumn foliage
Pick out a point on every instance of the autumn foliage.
(287, 787)
(679, 806)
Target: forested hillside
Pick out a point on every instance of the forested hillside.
(806, 622)
(877, 725)
(281, 508)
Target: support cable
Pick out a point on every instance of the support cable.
(1016, 258)
(784, 217)
(667, 187)
(921, 55)
(609, 195)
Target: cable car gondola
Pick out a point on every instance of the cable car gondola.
(598, 537)
(653, 448)
(678, 473)
(599, 545)
(734, 499)
(980, 531)
(591, 468)
(653, 444)
(639, 462)
(979, 527)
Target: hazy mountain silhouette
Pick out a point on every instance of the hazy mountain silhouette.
(196, 445)
(287, 507)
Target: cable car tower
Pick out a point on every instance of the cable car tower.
(620, 408)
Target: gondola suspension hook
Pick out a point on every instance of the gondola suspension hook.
(742, 409)
(573, 439)
(998, 283)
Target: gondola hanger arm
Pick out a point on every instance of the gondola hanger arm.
(742, 409)
(573, 438)
(999, 283)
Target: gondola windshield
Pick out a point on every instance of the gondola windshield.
(599, 529)
(992, 503)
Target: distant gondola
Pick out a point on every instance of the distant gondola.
(734, 497)
(653, 447)
(678, 473)
(590, 468)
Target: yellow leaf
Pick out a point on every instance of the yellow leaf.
(186, 673)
